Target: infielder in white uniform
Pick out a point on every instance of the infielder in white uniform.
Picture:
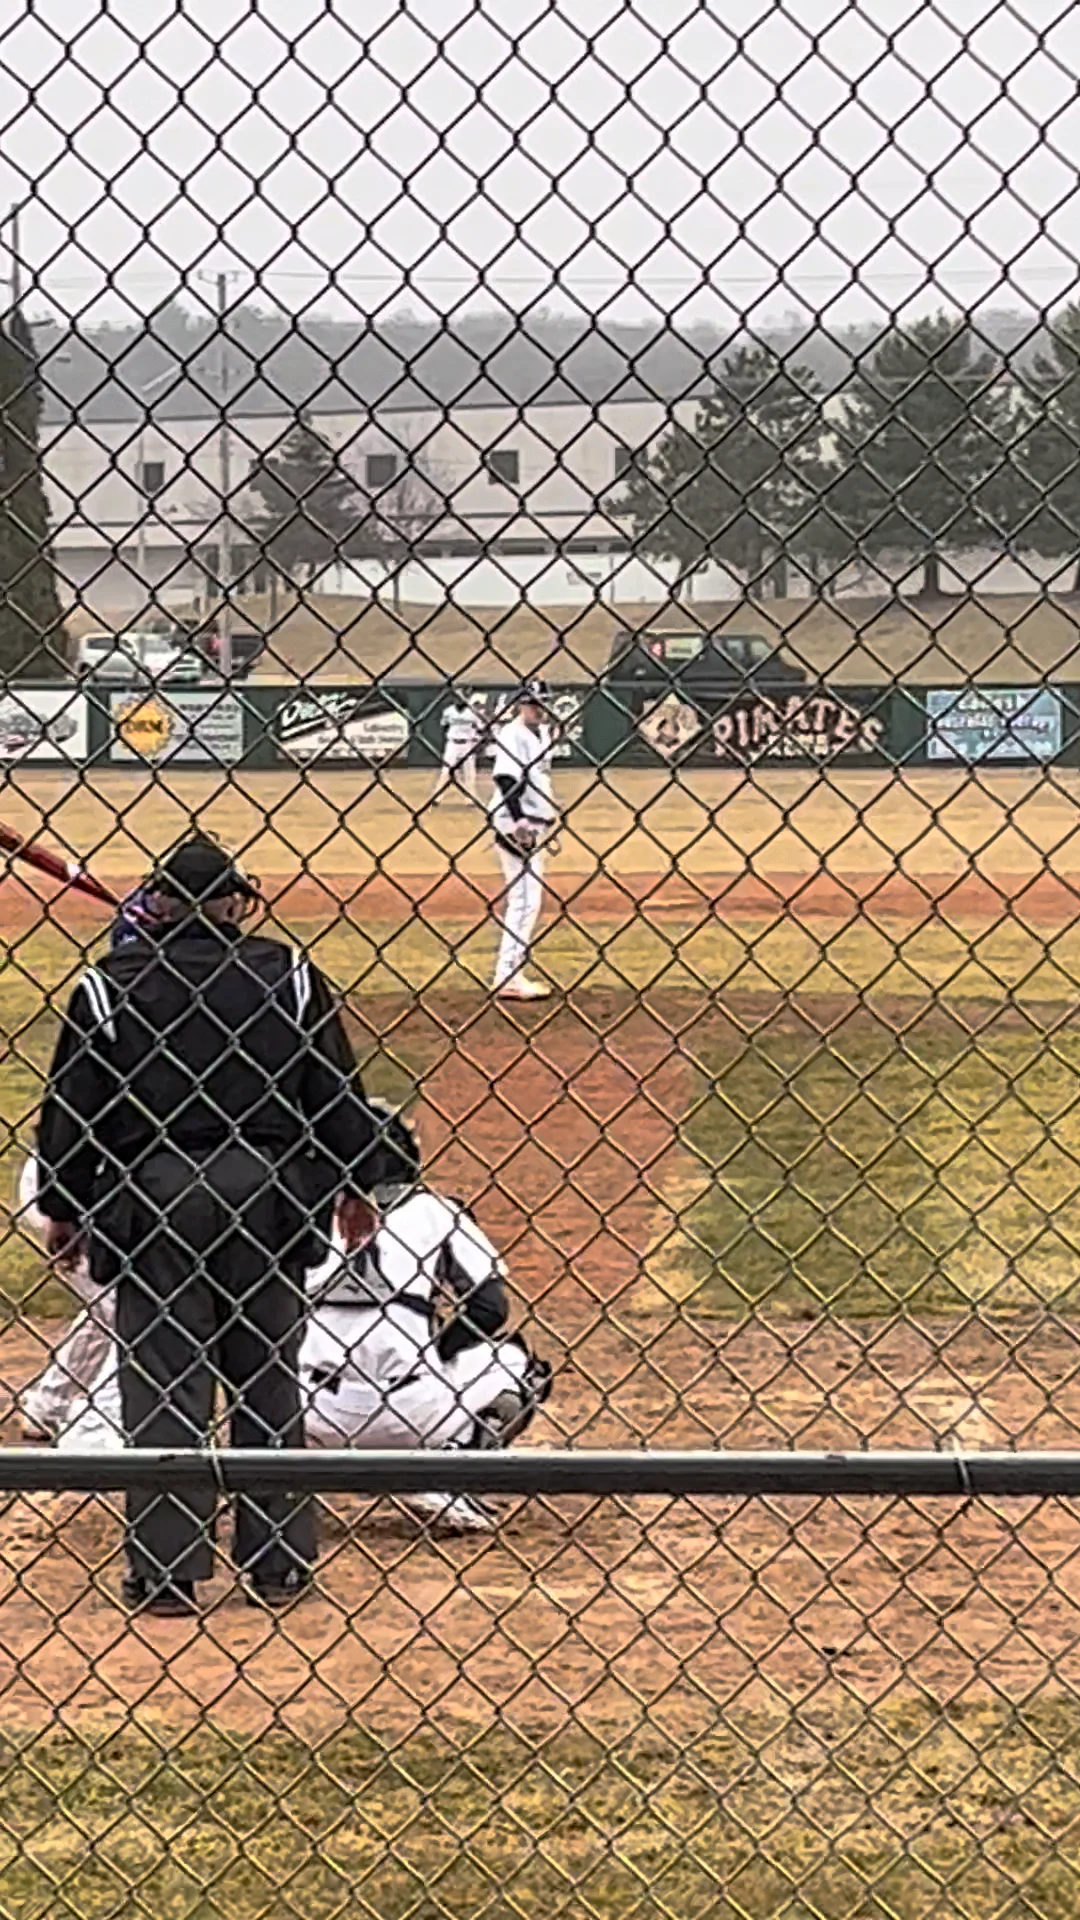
(378, 1366)
(463, 728)
(524, 819)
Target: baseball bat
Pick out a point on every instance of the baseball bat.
(68, 872)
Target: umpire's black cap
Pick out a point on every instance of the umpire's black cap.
(199, 869)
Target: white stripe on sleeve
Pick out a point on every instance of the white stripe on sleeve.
(301, 982)
(97, 994)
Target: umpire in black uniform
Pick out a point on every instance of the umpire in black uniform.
(202, 1114)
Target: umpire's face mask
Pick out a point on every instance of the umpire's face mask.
(227, 910)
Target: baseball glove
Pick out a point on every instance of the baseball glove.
(527, 836)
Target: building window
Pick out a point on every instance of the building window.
(502, 464)
(380, 470)
(152, 477)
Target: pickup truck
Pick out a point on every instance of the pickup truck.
(691, 660)
(177, 654)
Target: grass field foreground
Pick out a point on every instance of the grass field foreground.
(926, 1172)
(833, 1812)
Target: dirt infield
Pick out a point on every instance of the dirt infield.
(600, 1613)
(1045, 901)
(563, 1125)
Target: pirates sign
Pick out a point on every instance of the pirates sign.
(814, 725)
(671, 726)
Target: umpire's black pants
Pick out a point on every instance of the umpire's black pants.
(202, 1299)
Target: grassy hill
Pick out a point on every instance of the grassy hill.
(1002, 639)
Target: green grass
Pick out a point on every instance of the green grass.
(831, 1813)
(928, 1169)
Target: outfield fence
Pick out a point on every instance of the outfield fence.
(770, 1608)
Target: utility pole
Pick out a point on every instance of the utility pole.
(225, 649)
(140, 468)
(16, 260)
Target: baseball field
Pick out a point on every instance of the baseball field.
(790, 1158)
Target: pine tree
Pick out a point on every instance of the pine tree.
(924, 444)
(740, 487)
(32, 636)
(310, 510)
(1047, 460)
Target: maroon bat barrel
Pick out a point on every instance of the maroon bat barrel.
(68, 872)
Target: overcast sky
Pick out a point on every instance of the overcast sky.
(757, 155)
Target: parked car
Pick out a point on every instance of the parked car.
(135, 655)
(205, 639)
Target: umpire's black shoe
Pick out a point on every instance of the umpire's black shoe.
(174, 1601)
(275, 1595)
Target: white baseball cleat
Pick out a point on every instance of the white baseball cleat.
(523, 990)
(454, 1511)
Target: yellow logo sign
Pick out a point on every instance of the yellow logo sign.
(145, 726)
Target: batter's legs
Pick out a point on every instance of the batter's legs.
(47, 1405)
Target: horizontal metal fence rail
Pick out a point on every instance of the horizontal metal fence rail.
(702, 1474)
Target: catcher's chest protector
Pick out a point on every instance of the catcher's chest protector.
(405, 1257)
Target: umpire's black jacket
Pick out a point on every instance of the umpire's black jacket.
(190, 1040)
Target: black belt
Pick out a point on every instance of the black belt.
(414, 1302)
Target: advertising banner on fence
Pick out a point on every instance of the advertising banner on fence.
(993, 723)
(43, 724)
(356, 725)
(494, 704)
(195, 728)
(818, 725)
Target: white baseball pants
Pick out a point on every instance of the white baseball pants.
(344, 1406)
(365, 1382)
(76, 1362)
(518, 911)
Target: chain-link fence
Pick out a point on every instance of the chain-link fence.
(582, 501)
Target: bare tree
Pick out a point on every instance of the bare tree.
(406, 510)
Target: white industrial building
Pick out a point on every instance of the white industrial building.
(524, 489)
(497, 466)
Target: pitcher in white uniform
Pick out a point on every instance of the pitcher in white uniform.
(525, 821)
(379, 1367)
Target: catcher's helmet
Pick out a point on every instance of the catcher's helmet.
(400, 1137)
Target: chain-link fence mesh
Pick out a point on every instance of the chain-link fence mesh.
(583, 502)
